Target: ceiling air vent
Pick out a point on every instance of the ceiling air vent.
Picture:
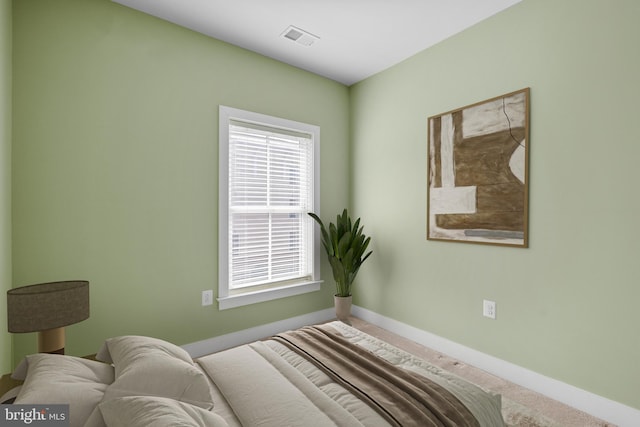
(300, 36)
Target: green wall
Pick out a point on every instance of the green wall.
(115, 164)
(5, 179)
(567, 306)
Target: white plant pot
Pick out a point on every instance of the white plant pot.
(343, 307)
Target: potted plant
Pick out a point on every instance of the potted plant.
(345, 245)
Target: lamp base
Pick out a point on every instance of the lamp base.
(51, 341)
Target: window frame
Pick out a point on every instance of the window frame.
(226, 297)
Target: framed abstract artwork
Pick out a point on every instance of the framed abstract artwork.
(477, 189)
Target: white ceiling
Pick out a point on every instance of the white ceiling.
(357, 38)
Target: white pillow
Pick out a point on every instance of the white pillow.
(58, 379)
(130, 346)
(151, 367)
(134, 411)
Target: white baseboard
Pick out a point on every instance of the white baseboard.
(223, 342)
(598, 406)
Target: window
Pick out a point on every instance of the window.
(269, 180)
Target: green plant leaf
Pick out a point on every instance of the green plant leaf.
(344, 245)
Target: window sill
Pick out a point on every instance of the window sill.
(247, 298)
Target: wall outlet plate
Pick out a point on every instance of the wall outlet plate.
(207, 297)
(489, 309)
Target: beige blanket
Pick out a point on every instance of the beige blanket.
(402, 397)
(267, 384)
(264, 389)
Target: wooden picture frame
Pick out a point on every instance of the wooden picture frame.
(477, 190)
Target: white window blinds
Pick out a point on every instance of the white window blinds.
(270, 192)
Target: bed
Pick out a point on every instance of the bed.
(324, 375)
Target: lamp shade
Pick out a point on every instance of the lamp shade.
(46, 306)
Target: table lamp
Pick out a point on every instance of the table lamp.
(47, 308)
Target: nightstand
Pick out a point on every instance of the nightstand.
(7, 383)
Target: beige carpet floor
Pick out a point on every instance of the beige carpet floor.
(520, 407)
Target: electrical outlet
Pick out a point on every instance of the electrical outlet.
(489, 309)
(207, 297)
